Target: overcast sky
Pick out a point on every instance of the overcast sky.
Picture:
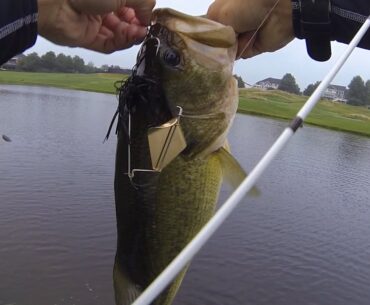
(292, 59)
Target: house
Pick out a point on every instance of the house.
(336, 93)
(268, 83)
(11, 64)
(333, 92)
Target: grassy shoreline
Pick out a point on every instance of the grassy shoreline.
(275, 104)
(98, 82)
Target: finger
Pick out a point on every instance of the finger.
(96, 7)
(219, 11)
(233, 13)
(249, 53)
(143, 9)
(128, 15)
(106, 32)
(132, 34)
(124, 36)
(247, 46)
(112, 21)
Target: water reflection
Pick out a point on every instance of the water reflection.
(304, 241)
(351, 149)
(57, 219)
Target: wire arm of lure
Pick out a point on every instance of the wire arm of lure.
(131, 172)
(165, 143)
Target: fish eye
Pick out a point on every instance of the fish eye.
(171, 57)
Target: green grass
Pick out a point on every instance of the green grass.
(100, 82)
(326, 114)
(273, 103)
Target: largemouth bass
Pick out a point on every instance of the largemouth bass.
(182, 81)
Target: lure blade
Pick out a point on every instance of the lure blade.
(166, 142)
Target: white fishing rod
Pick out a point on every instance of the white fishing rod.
(165, 278)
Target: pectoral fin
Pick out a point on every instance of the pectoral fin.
(233, 173)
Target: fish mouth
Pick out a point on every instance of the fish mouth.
(147, 62)
(142, 93)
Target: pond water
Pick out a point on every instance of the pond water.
(305, 240)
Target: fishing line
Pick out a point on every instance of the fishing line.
(259, 27)
(165, 278)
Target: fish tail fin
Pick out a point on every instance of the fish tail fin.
(125, 290)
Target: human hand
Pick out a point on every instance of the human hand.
(246, 16)
(100, 25)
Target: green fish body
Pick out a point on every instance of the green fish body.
(158, 213)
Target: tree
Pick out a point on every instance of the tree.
(357, 92)
(64, 63)
(48, 61)
(104, 68)
(90, 68)
(241, 83)
(289, 84)
(368, 91)
(30, 63)
(310, 89)
(78, 64)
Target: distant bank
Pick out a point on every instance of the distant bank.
(272, 103)
(99, 82)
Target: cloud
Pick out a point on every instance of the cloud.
(294, 59)
(291, 59)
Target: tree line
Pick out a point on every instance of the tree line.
(358, 93)
(51, 62)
